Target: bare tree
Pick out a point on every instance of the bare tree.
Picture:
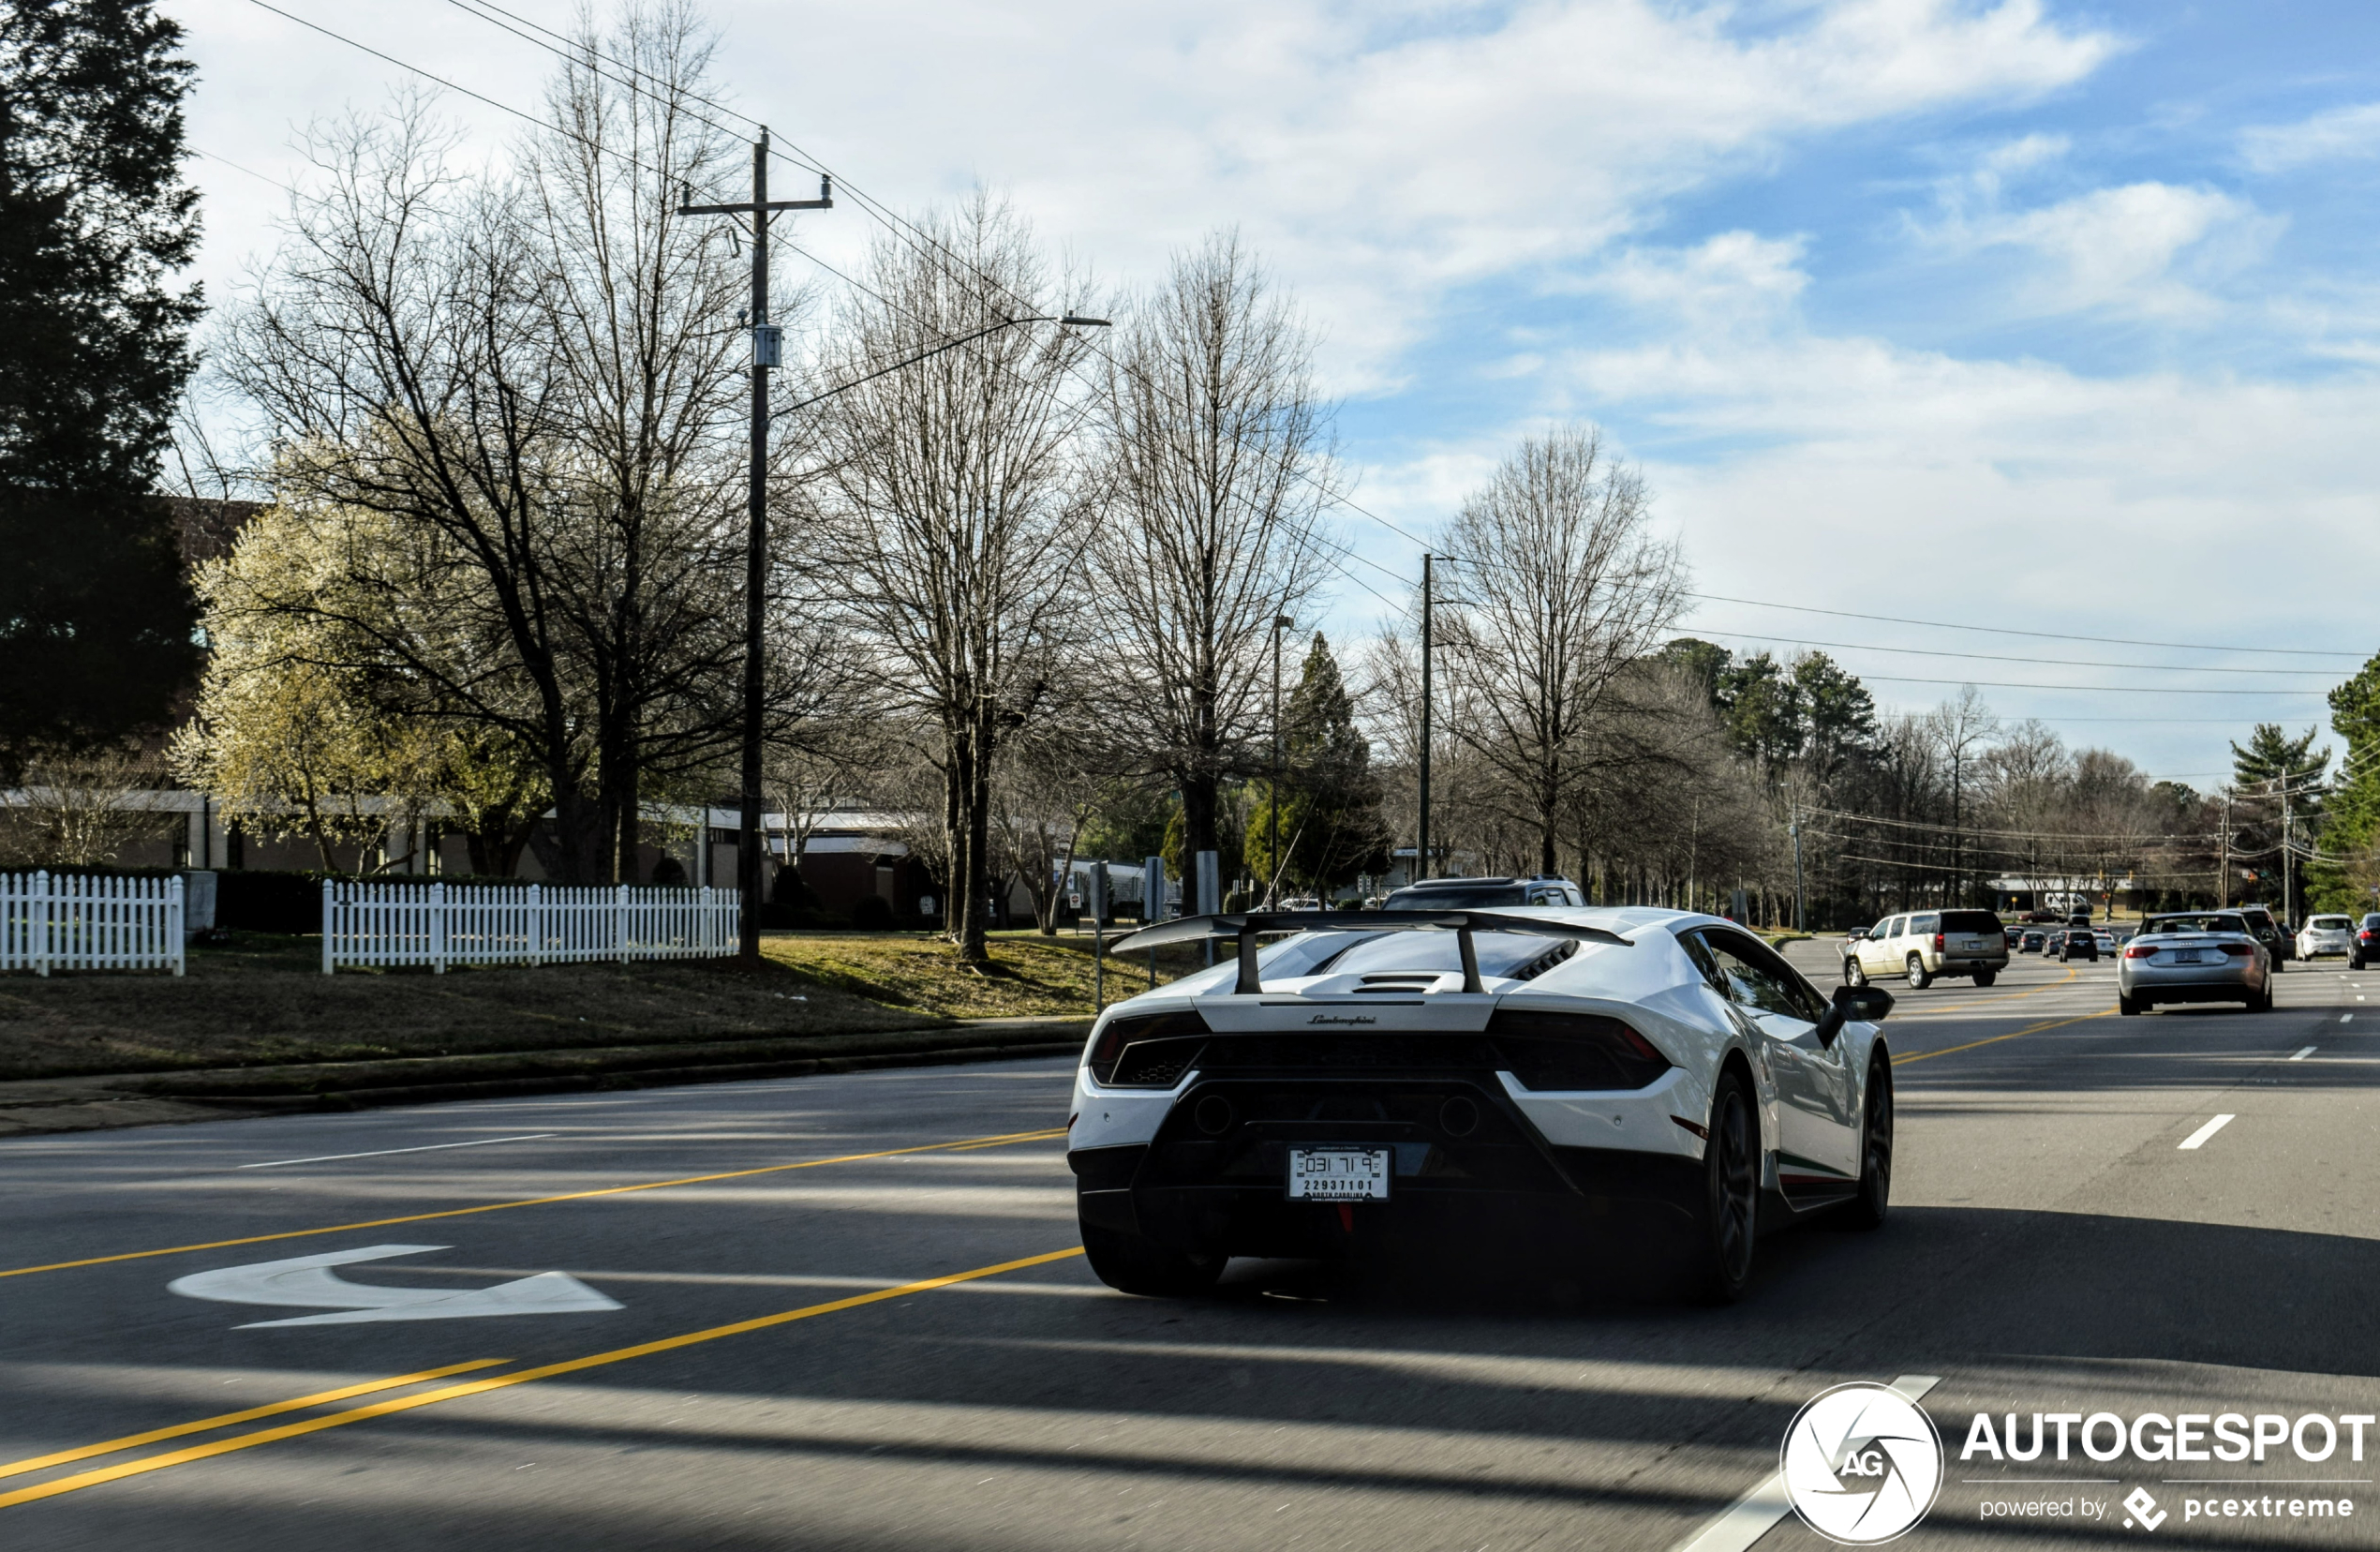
(1961, 728)
(535, 379)
(1216, 458)
(82, 810)
(1562, 586)
(954, 504)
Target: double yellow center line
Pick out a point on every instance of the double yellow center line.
(430, 1398)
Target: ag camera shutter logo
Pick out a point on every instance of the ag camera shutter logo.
(1862, 1464)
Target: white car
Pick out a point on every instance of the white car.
(1635, 1083)
(2327, 934)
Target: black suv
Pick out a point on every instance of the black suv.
(1469, 894)
(2267, 931)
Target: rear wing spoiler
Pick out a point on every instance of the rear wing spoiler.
(1246, 926)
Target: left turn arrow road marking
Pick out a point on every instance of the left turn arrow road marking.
(306, 1282)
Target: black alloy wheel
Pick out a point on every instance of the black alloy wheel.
(1868, 1209)
(1130, 1264)
(1722, 1262)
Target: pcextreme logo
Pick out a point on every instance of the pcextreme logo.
(1861, 1464)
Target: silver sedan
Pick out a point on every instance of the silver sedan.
(2195, 956)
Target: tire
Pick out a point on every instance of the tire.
(1130, 1264)
(1868, 1209)
(2261, 1002)
(2128, 1005)
(1984, 978)
(1853, 974)
(1918, 979)
(1719, 1258)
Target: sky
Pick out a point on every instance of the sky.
(2046, 318)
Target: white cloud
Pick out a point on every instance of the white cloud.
(2338, 135)
(1380, 158)
(2145, 250)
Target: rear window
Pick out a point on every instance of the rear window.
(1970, 921)
(1438, 898)
(2329, 924)
(2209, 922)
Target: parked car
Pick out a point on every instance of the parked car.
(2267, 931)
(1622, 1084)
(2032, 941)
(2367, 946)
(1928, 943)
(2327, 934)
(1471, 894)
(2194, 956)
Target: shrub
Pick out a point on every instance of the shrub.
(871, 913)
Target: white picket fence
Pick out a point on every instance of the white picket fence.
(435, 925)
(74, 921)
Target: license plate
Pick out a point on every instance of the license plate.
(2185, 956)
(1339, 1174)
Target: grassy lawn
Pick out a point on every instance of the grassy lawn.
(1029, 976)
(263, 999)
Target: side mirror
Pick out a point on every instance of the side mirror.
(1865, 1004)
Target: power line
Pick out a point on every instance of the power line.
(237, 168)
(1993, 657)
(2088, 689)
(2010, 630)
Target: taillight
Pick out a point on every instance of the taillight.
(2239, 950)
(1938, 941)
(1545, 1050)
(2139, 951)
(1152, 1051)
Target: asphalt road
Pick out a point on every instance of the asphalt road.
(774, 1376)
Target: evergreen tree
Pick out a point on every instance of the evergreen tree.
(2259, 771)
(2350, 879)
(96, 617)
(1330, 826)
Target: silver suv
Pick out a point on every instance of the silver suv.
(1928, 944)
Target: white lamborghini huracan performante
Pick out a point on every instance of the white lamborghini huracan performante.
(1622, 1087)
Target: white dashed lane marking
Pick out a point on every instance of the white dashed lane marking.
(2198, 1138)
(2302, 1054)
(382, 1153)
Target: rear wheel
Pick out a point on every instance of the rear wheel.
(1918, 979)
(2128, 1005)
(1721, 1259)
(1130, 1264)
(1867, 1210)
(1984, 978)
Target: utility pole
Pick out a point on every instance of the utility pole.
(2223, 860)
(1793, 828)
(1271, 885)
(1421, 825)
(2288, 899)
(767, 351)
